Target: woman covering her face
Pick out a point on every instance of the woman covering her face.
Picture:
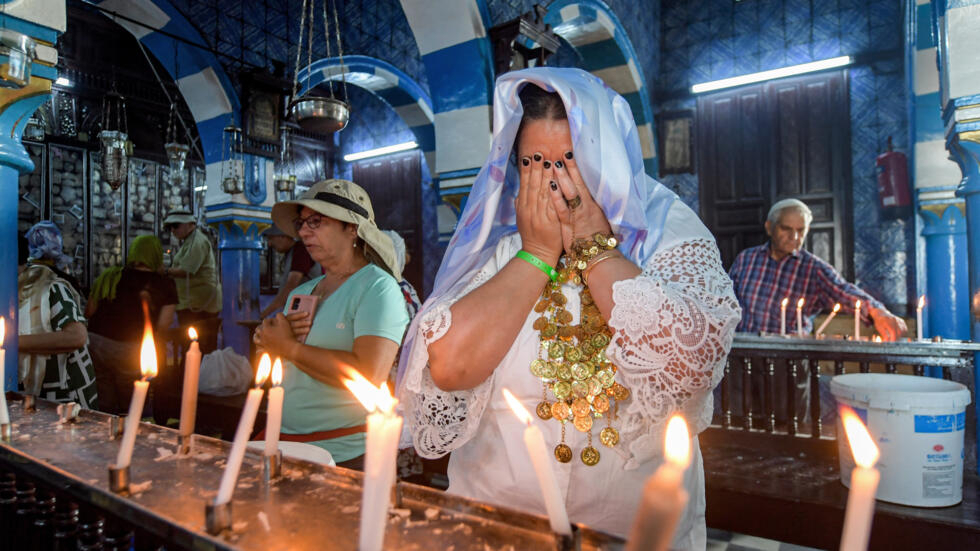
(587, 289)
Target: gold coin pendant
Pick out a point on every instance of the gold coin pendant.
(583, 423)
(544, 410)
(590, 456)
(563, 453)
(609, 436)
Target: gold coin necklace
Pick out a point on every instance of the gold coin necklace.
(572, 362)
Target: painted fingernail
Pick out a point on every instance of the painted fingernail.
(537, 157)
(559, 164)
(547, 164)
(554, 186)
(568, 155)
(525, 161)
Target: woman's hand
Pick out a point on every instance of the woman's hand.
(276, 336)
(578, 212)
(537, 221)
(300, 323)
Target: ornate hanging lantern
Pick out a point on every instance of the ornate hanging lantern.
(285, 176)
(21, 51)
(315, 112)
(114, 137)
(231, 160)
(176, 151)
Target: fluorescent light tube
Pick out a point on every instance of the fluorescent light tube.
(381, 151)
(62, 81)
(773, 74)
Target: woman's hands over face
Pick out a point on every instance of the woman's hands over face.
(537, 220)
(587, 218)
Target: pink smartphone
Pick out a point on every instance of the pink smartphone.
(303, 303)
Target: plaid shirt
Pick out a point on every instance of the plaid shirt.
(761, 283)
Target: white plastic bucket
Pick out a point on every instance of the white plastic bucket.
(918, 424)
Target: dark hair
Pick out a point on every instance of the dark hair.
(539, 104)
(23, 250)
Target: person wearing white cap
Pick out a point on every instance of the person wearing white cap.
(195, 272)
(358, 322)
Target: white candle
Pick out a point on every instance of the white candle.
(918, 317)
(273, 416)
(664, 496)
(148, 368)
(534, 442)
(799, 316)
(230, 477)
(384, 428)
(782, 316)
(864, 484)
(192, 370)
(857, 320)
(830, 317)
(4, 414)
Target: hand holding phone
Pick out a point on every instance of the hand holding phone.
(301, 324)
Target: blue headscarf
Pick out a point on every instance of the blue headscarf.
(44, 243)
(608, 155)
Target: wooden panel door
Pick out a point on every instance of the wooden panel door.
(394, 183)
(759, 144)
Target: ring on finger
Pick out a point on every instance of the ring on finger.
(574, 202)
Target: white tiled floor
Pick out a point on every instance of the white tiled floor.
(719, 540)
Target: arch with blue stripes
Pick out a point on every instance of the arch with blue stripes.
(386, 82)
(595, 32)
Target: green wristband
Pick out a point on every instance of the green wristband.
(539, 264)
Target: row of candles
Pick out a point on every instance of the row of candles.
(662, 504)
(857, 317)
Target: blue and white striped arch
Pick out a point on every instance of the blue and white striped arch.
(598, 36)
(388, 83)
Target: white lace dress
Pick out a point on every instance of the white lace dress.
(674, 325)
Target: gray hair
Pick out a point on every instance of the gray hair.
(776, 212)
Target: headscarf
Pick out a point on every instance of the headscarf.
(608, 155)
(44, 244)
(399, 244)
(145, 250)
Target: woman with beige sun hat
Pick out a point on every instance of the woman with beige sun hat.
(358, 322)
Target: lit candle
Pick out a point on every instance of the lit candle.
(782, 316)
(918, 317)
(192, 369)
(876, 338)
(664, 496)
(534, 442)
(4, 414)
(148, 369)
(857, 320)
(273, 416)
(799, 316)
(830, 317)
(230, 477)
(384, 428)
(864, 484)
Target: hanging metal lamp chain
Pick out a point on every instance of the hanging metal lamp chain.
(326, 39)
(340, 49)
(299, 48)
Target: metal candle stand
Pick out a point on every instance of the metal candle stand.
(116, 425)
(29, 406)
(5, 432)
(569, 543)
(184, 444)
(119, 480)
(272, 466)
(217, 518)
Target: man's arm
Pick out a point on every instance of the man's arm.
(833, 285)
(71, 337)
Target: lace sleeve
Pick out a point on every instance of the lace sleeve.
(441, 421)
(674, 325)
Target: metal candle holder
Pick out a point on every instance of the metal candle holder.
(5, 432)
(119, 479)
(29, 405)
(272, 466)
(184, 444)
(217, 517)
(569, 543)
(116, 425)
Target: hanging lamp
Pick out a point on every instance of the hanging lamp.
(315, 112)
(231, 159)
(114, 139)
(176, 151)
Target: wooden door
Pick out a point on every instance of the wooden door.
(394, 183)
(786, 138)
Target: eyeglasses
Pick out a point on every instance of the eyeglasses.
(312, 221)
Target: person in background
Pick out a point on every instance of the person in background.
(412, 302)
(297, 267)
(116, 322)
(195, 271)
(358, 321)
(52, 346)
(766, 274)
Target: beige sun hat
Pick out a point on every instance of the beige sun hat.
(348, 202)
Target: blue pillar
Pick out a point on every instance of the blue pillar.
(947, 283)
(239, 245)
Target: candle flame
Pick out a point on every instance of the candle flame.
(265, 366)
(192, 333)
(370, 396)
(877, 338)
(677, 442)
(862, 445)
(799, 303)
(3, 329)
(783, 303)
(922, 301)
(148, 354)
(857, 304)
(277, 372)
(518, 408)
(837, 308)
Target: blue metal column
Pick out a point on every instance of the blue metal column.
(239, 245)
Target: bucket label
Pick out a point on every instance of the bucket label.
(940, 423)
(938, 484)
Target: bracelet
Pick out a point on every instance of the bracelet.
(538, 263)
(606, 255)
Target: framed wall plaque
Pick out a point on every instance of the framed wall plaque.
(676, 142)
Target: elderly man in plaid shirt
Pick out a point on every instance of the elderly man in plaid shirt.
(765, 275)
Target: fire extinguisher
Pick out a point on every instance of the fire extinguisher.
(894, 196)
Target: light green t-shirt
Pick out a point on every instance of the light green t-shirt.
(368, 303)
(200, 290)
